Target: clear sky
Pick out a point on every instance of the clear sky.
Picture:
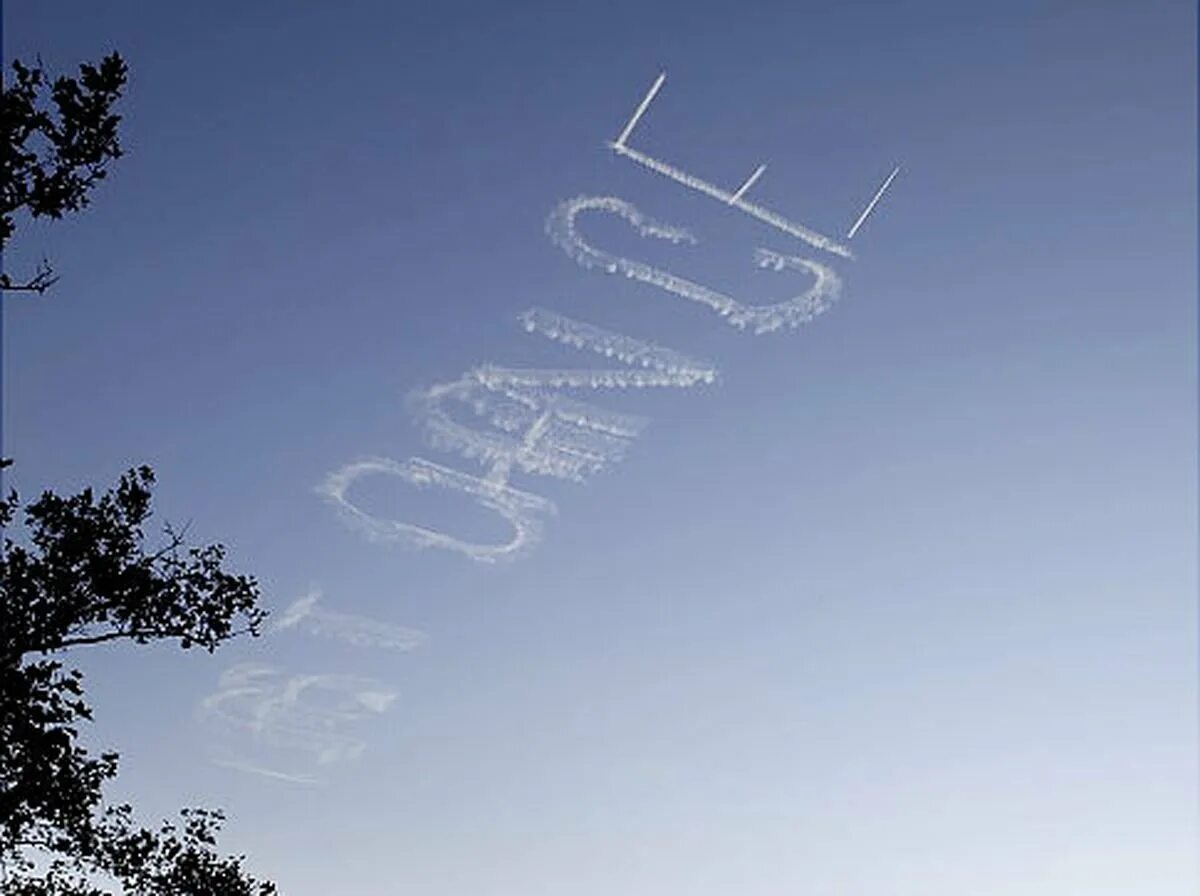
(904, 604)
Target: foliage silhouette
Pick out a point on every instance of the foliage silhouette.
(56, 140)
(82, 576)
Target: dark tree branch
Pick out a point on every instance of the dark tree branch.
(39, 283)
(144, 634)
(82, 577)
(57, 139)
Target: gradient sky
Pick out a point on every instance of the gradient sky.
(904, 606)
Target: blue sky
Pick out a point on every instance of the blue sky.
(905, 604)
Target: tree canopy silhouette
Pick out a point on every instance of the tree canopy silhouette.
(82, 575)
(56, 143)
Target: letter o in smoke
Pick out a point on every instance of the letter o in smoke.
(560, 226)
(517, 507)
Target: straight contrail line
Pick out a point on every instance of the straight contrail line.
(870, 205)
(765, 215)
(641, 110)
(266, 772)
(741, 191)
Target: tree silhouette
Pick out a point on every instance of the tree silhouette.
(56, 145)
(82, 576)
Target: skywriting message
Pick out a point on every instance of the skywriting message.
(531, 420)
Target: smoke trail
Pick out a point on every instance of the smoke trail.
(858, 222)
(561, 228)
(518, 419)
(826, 288)
(494, 377)
(304, 714)
(616, 345)
(642, 107)
(357, 630)
(817, 240)
(534, 431)
(533, 427)
(518, 508)
(239, 765)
